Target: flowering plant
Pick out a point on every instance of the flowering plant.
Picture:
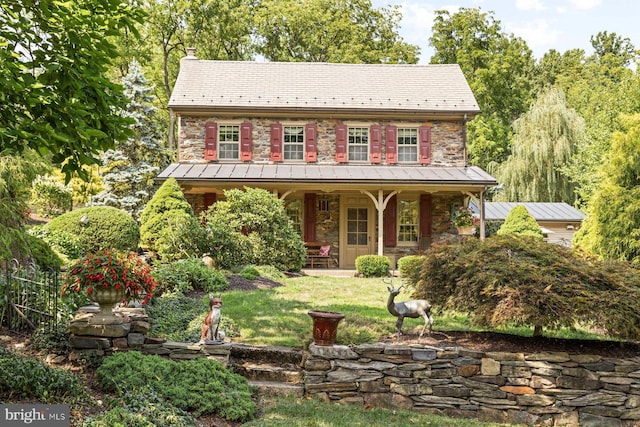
(107, 269)
(464, 217)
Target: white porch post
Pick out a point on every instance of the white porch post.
(380, 203)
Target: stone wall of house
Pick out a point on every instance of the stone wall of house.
(447, 138)
(549, 389)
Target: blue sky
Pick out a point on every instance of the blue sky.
(543, 24)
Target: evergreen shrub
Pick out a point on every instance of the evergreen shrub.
(42, 254)
(519, 221)
(373, 265)
(201, 386)
(168, 225)
(103, 228)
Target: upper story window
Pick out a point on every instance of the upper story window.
(407, 220)
(358, 144)
(407, 145)
(293, 142)
(229, 142)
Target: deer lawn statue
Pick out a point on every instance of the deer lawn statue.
(211, 323)
(413, 308)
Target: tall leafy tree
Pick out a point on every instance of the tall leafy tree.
(544, 142)
(129, 170)
(499, 68)
(54, 94)
(350, 31)
(600, 88)
(612, 227)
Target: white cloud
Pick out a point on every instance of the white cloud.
(529, 5)
(585, 4)
(540, 37)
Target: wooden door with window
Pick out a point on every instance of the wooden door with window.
(357, 227)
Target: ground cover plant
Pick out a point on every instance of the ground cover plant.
(200, 386)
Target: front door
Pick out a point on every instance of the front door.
(356, 226)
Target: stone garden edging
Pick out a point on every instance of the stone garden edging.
(551, 389)
(546, 389)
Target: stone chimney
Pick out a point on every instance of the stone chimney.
(191, 53)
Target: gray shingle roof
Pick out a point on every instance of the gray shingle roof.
(540, 211)
(317, 86)
(337, 174)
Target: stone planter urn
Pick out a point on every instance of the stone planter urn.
(467, 230)
(325, 326)
(106, 299)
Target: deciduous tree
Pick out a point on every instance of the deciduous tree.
(54, 93)
(350, 31)
(545, 139)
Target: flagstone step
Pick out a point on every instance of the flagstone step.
(268, 372)
(274, 388)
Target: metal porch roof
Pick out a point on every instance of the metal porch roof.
(538, 210)
(327, 173)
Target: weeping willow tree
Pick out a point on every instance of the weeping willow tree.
(545, 139)
(612, 227)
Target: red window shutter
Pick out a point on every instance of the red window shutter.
(210, 141)
(276, 142)
(310, 140)
(341, 143)
(246, 141)
(376, 143)
(209, 199)
(425, 144)
(310, 217)
(391, 222)
(391, 144)
(426, 220)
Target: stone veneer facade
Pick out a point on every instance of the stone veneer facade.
(542, 389)
(447, 138)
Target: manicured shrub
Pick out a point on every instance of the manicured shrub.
(519, 221)
(523, 281)
(373, 265)
(252, 227)
(410, 266)
(42, 254)
(101, 228)
(201, 386)
(66, 245)
(187, 275)
(168, 226)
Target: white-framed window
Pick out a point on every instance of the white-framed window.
(358, 144)
(229, 142)
(408, 220)
(293, 208)
(293, 142)
(407, 145)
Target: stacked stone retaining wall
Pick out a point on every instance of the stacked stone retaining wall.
(547, 389)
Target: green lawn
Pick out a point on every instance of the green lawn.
(314, 413)
(279, 316)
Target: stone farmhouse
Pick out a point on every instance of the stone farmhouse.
(369, 159)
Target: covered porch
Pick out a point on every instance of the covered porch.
(357, 209)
